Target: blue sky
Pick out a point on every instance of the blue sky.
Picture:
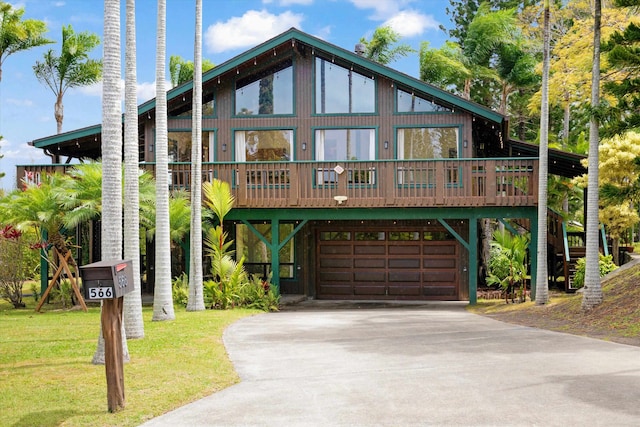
(229, 28)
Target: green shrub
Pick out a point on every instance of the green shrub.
(605, 263)
(180, 287)
(63, 293)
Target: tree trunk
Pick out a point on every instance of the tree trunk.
(133, 322)
(592, 295)
(196, 292)
(542, 274)
(162, 298)
(58, 112)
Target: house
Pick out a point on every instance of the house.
(352, 180)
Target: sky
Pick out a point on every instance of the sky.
(230, 27)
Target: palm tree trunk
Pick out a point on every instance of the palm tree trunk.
(592, 295)
(542, 275)
(132, 309)
(196, 296)
(162, 299)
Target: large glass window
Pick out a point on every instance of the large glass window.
(185, 109)
(428, 143)
(180, 146)
(257, 254)
(264, 145)
(341, 90)
(267, 92)
(345, 144)
(410, 103)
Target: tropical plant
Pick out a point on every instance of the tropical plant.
(17, 34)
(605, 266)
(17, 264)
(181, 70)
(162, 299)
(508, 263)
(382, 47)
(72, 68)
(180, 290)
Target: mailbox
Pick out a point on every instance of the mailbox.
(107, 279)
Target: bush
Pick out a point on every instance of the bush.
(180, 287)
(17, 263)
(605, 263)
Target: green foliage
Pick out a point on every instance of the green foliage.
(381, 46)
(63, 294)
(181, 71)
(180, 291)
(606, 266)
(17, 264)
(508, 262)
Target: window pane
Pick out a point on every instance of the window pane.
(185, 109)
(180, 146)
(345, 144)
(267, 145)
(428, 143)
(410, 103)
(257, 253)
(340, 90)
(335, 235)
(270, 92)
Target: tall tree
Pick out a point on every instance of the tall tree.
(383, 47)
(17, 34)
(196, 295)
(542, 275)
(592, 289)
(162, 298)
(1, 157)
(181, 70)
(72, 68)
(111, 224)
(624, 55)
(133, 323)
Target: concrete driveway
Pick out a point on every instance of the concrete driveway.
(428, 364)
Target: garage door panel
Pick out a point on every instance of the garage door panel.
(370, 250)
(439, 291)
(335, 250)
(336, 262)
(332, 289)
(404, 263)
(370, 262)
(401, 248)
(413, 290)
(336, 276)
(438, 263)
(439, 250)
(369, 290)
(370, 276)
(439, 276)
(404, 276)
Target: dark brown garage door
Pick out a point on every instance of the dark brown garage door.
(387, 264)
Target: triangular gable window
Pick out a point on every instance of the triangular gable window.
(411, 103)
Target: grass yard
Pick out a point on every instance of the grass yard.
(47, 378)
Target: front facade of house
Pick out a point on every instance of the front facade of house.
(352, 180)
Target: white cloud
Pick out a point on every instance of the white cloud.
(410, 23)
(252, 28)
(324, 32)
(382, 9)
(286, 3)
(145, 90)
(20, 102)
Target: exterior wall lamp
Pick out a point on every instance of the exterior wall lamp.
(224, 146)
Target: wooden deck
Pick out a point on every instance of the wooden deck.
(369, 184)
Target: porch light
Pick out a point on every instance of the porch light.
(304, 146)
(224, 146)
(386, 145)
(340, 199)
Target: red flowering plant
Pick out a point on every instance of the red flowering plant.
(15, 265)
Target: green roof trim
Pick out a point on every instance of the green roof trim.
(64, 137)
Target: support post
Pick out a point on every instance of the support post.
(275, 253)
(473, 261)
(111, 320)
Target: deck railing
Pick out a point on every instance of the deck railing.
(401, 183)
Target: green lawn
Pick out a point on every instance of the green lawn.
(47, 378)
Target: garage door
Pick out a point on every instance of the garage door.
(387, 264)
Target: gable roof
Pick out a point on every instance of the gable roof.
(299, 39)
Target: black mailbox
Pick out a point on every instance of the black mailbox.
(107, 279)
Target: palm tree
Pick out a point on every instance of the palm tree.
(542, 282)
(162, 299)
(17, 34)
(181, 71)
(592, 290)
(73, 68)
(133, 322)
(196, 296)
(381, 46)
(115, 352)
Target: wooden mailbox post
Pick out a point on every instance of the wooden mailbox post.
(109, 281)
